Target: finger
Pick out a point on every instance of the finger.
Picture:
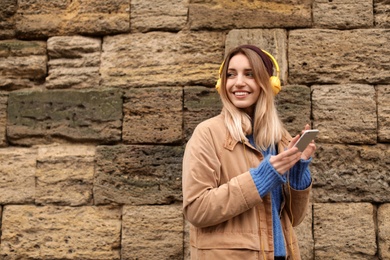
(309, 151)
(307, 127)
(282, 168)
(293, 142)
(284, 161)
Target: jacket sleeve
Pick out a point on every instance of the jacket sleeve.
(297, 202)
(299, 175)
(297, 193)
(206, 202)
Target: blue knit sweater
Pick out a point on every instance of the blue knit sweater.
(269, 181)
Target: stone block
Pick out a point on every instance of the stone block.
(383, 97)
(382, 13)
(3, 118)
(343, 14)
(64, 175)
(224, 15)
(74, 62)
(39, 19)
(17, 175)
(350, 173)
(8, 9)
(161, 59)
(320, 56)
(23, 64)
(345, 113)
(163, 15)
(138, 174)
(42, 117)
(294, 106)
(344, 231)
(274, 41)
(200, 103)
(384, 231)
(152, 232)
(153, 115)
(53, 232)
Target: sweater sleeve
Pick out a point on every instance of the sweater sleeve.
(265, 177)
(300, 177)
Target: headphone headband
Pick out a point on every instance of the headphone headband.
(268, 61)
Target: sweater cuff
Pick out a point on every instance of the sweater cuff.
(300, 177)
(265, 177)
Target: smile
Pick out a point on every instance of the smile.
(241, 93)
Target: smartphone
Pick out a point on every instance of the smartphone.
(305, 139)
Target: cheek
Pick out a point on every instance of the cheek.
(229, 84)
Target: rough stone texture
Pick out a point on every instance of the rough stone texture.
(345, 113)
(36, 117)
(3, 118)
(64, 175)
(61, 232)
(344, 231)
(384, 231)
(138, 174)
(334, 69)
(22, 64)
(158, 15)
(17, 175)
(152, 232)
(74, 62)
(383, 113)
(153, 115)
(294, 107)
(349, 173)
(382, 13)
(161, 59)
(322, 56)
(200, 103)
(343, 14)
(274, 41)
(7, 23)
(40, 18)
(223, 14)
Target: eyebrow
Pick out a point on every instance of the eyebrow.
(246, 69)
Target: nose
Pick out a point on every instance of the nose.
(240, 80)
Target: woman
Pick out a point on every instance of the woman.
(244, 184)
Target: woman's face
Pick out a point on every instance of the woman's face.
(242, 89)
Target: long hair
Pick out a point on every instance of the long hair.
(265, 125)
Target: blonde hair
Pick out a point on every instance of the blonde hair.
(266, 125)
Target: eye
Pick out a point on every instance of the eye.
(249, 74)
(230, 74)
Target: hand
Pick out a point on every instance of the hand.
(310, 149)
(286, 159)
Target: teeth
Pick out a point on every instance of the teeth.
(240, 93)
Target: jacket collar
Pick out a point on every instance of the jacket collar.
(230, 143)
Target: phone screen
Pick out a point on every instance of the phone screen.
(305, 139)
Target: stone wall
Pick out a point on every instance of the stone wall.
(98, 98)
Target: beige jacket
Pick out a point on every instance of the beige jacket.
(229, 219)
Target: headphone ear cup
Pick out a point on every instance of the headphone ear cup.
(218, 85)
(275, 83)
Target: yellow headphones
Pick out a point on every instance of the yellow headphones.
(275, 81)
